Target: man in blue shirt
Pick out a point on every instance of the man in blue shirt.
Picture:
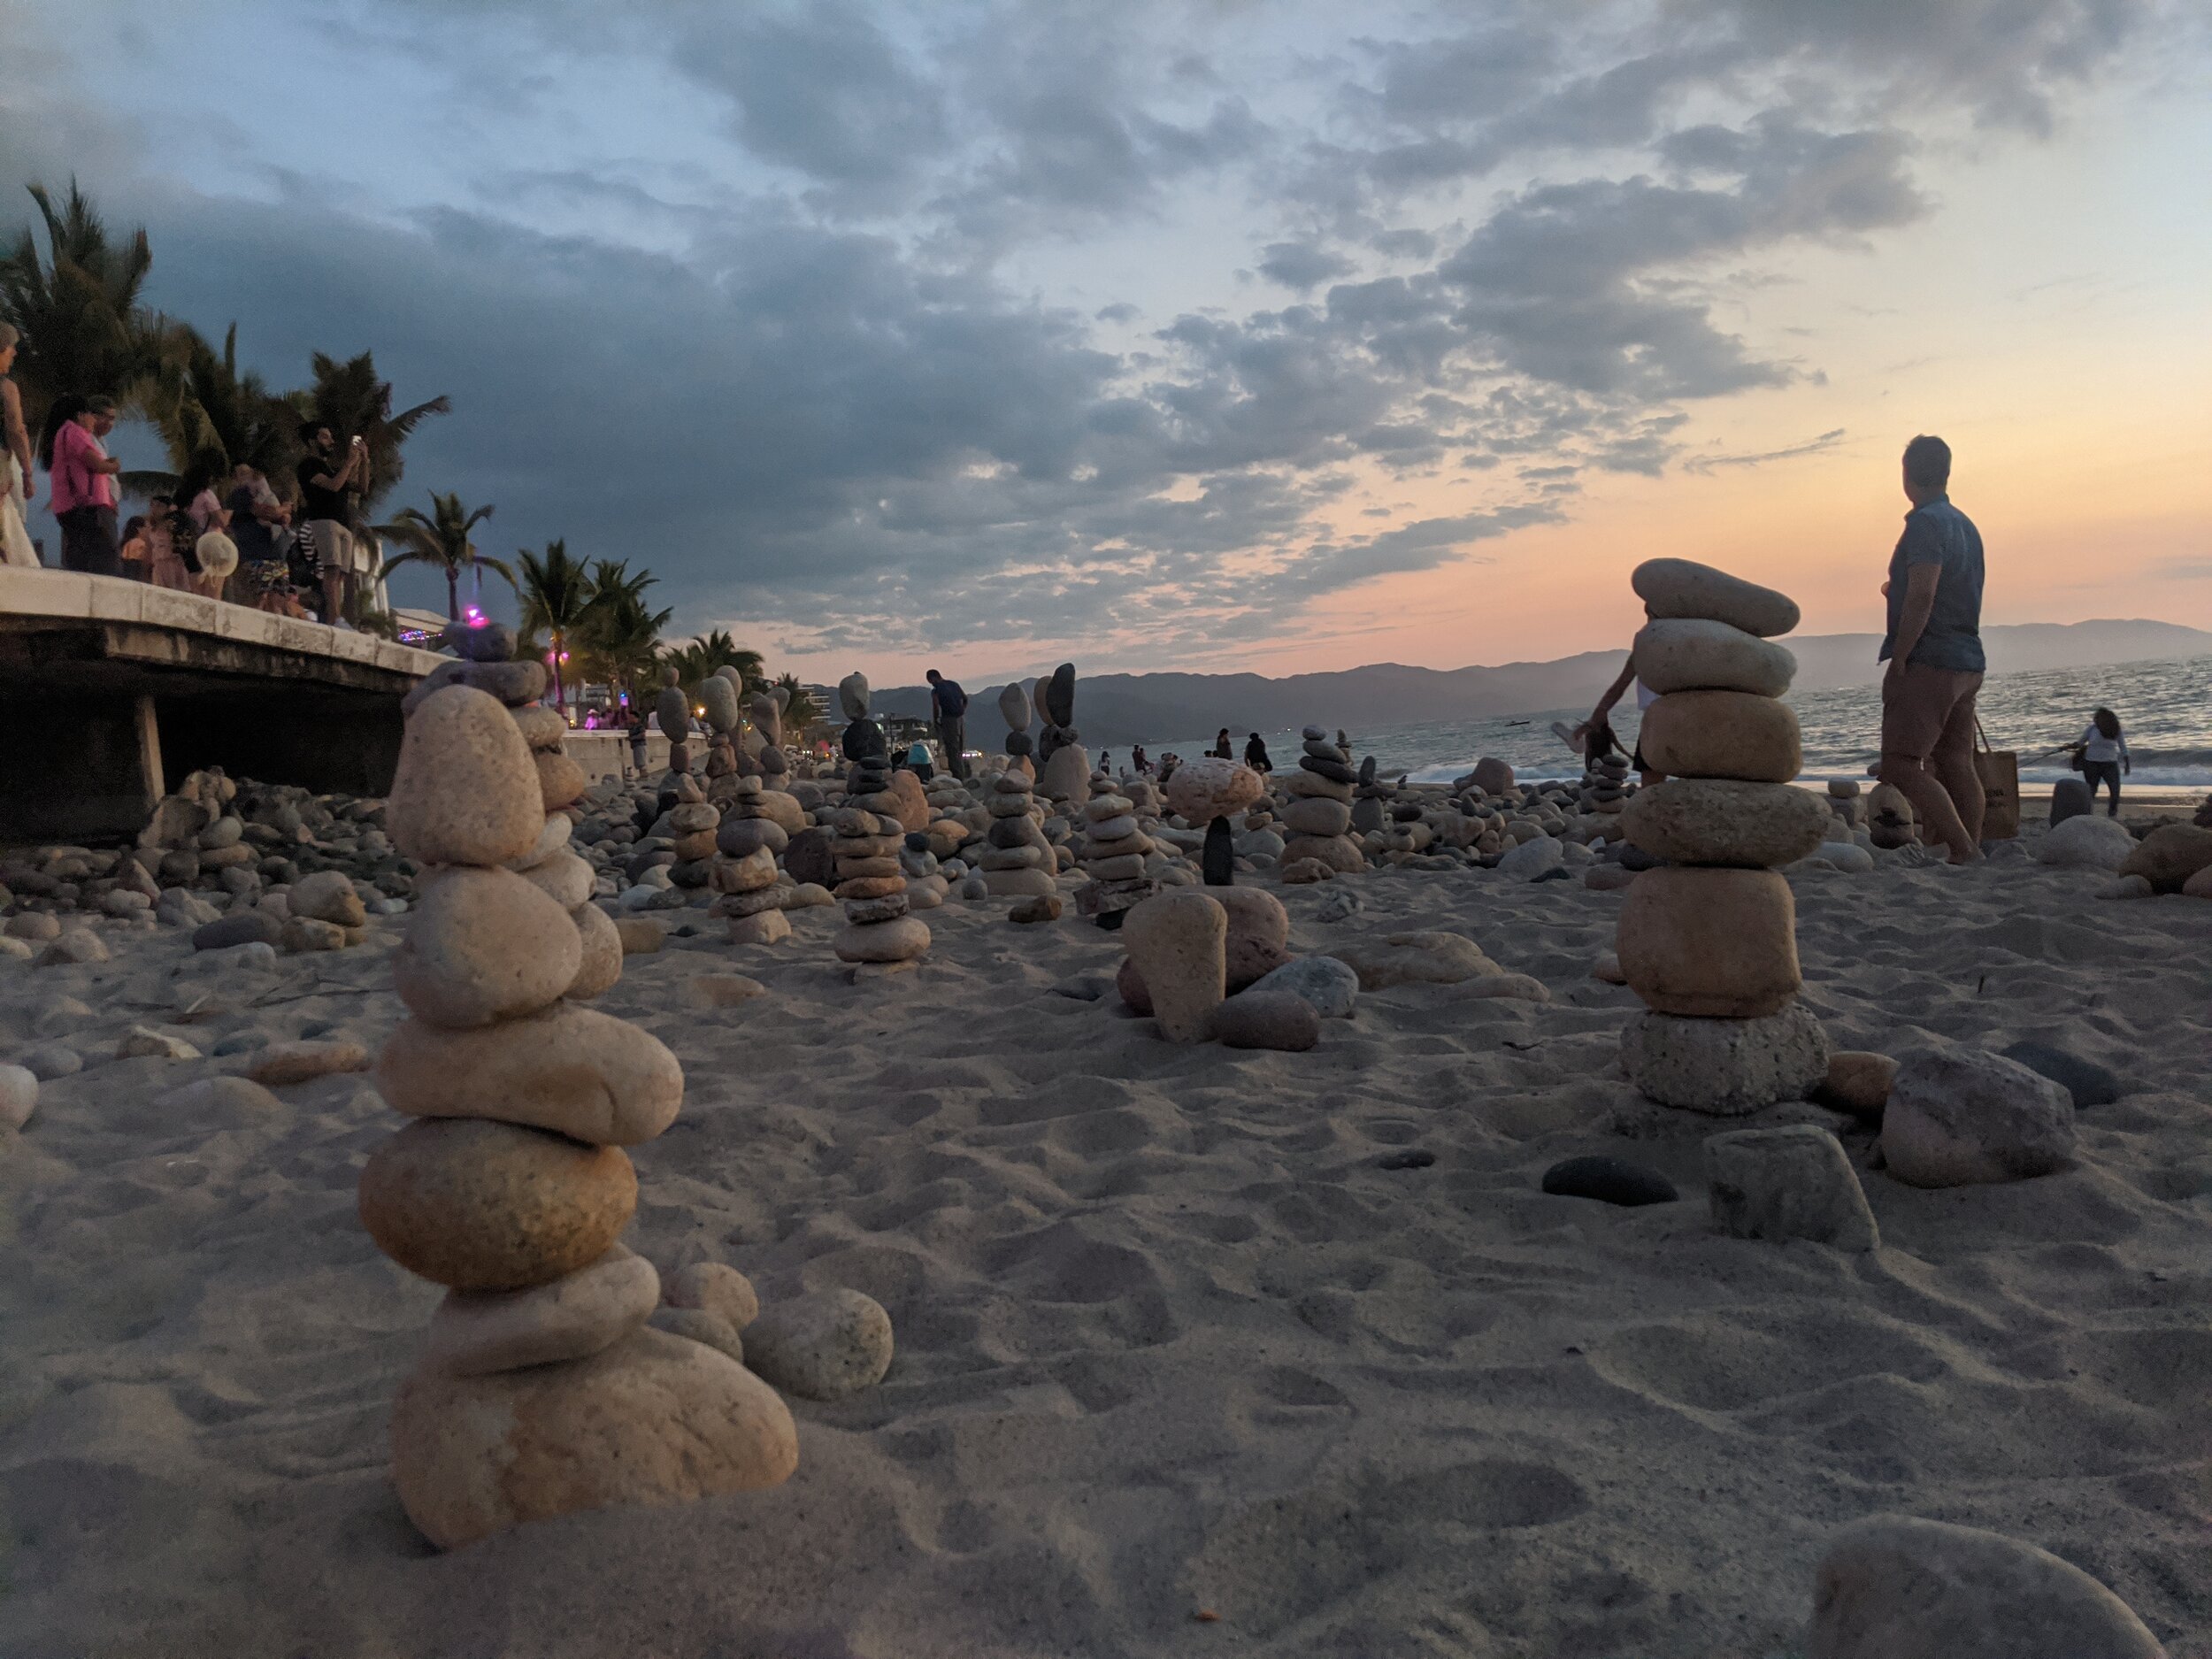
(1934, 651)
(949, 713)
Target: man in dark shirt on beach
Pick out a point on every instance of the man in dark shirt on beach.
(949, 713)
(1934, 651)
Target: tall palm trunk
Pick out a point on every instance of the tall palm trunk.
(453, 596)
(560, 691)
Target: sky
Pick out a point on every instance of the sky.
(1283, 337)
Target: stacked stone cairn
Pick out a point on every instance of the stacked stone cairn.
(1606, 788)
(1206, 794)
(674, 710)
(1709, 939)
(1319, 816)
(747, 841)
(768, 710)
(1014, 705)
(718, 695)
(1017, 861)
(1371, 804)
(1115, 847)
(539, 1391)
(878, 936)
(1064, 778)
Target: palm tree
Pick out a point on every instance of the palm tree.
(440, 538)
(83, 330)
(621, 638)
(697, 659)
(353, 403)
(557, 595)
(212, 418)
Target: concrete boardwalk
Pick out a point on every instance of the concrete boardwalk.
(111, 689)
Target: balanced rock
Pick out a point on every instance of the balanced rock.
(1696, 654)
(1684, 588)
(1710, 942)
(486, 1206)
(654, 1419)
(474, 1332)
(1721, 821)
(573, 1071)
(1208, 787)
(486, 945)
(1722, 735)
(599, 952)
(498, 814)
(1727, 1067)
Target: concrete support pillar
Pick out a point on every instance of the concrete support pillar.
(150, 752)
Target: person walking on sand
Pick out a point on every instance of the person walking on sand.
(2104, 756)
(948, 714)
(1934, 648)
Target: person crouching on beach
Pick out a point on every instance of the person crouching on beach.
(2104, 756)
(1593, 738)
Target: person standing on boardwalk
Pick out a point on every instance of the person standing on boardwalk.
(948, 714)
(1934, 648)
(80, 476)
(15, 462)
(325, 484)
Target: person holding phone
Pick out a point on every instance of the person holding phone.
(325, 483)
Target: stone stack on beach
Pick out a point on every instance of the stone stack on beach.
(1371, 804)
(878, 934)
(747, 841)
(1605, 786)
(1319, 816)
(674, 710)
(1017, 859)
(1064, 778)
(1709, 940)
(539, 1391)
(1114, 850)
(1014, 706)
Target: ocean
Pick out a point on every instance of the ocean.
(2165, 709)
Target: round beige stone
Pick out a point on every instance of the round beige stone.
(1340, 853)
(541, 728)
(1178, 942)
(573, 1071)
(899, 941)
(477, 1331)
(1683, 588)
(486, 1206)
(1316, 815)
(1722, 735)
(1711, 943)
(713, 1287)
(653, 1420)
(599, 965)
(824, 1345)
(465, 791)
(1722, 821)
(560, 779)
(1691, 654)
(1208, 787)
(481, 946)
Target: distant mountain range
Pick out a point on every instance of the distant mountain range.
(1117, 709)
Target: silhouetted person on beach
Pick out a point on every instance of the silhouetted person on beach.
(1255, 755)
(2103, 752)
(1222, 751)
(949, 713)
(1934, 651)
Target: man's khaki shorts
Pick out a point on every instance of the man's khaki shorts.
(1929, 712)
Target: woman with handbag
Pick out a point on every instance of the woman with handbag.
(2101, 754)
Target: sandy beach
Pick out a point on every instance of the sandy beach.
(1198, 1350)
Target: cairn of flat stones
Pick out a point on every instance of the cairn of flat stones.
(1605, 785)
(1319, 816)
(674, 710)
(768, 710)
(1114, 850)
(1206, 794)
(746, 842)
(539, 1391)
(878, 934)
(1014, 707)
(1371, 800)
(1709, 939)
(1017, 859)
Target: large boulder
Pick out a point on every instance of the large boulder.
(1683, 588)
(654, 1419)
(1179, 945)
(1957, 1116)
(2169, 856)
(1208, 787)
(1894, 1586)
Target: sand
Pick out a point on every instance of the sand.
(1171, 1339)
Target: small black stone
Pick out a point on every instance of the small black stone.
(2089, 1083)
(1414, 1158)
(1634, 857)
(1112, 920)
(918, 840)
(1609, 1181)
(1558, 872)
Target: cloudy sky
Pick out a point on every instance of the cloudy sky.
(1277, 336)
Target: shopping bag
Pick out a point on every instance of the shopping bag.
(2000, 772)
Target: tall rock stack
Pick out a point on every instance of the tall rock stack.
(878, 936)
(1017, 859)
(1370, 802)
(540, 1392)
(1114, 850)
(1319, 816)
(1206, 794)
(674, 710)
(768, 710)
(1014, 706)
(747, 841)
(1066, 778)
(1709, 940)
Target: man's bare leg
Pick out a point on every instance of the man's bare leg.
(1952, 762)
(334, 594)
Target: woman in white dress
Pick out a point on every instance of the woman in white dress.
(15, 462)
